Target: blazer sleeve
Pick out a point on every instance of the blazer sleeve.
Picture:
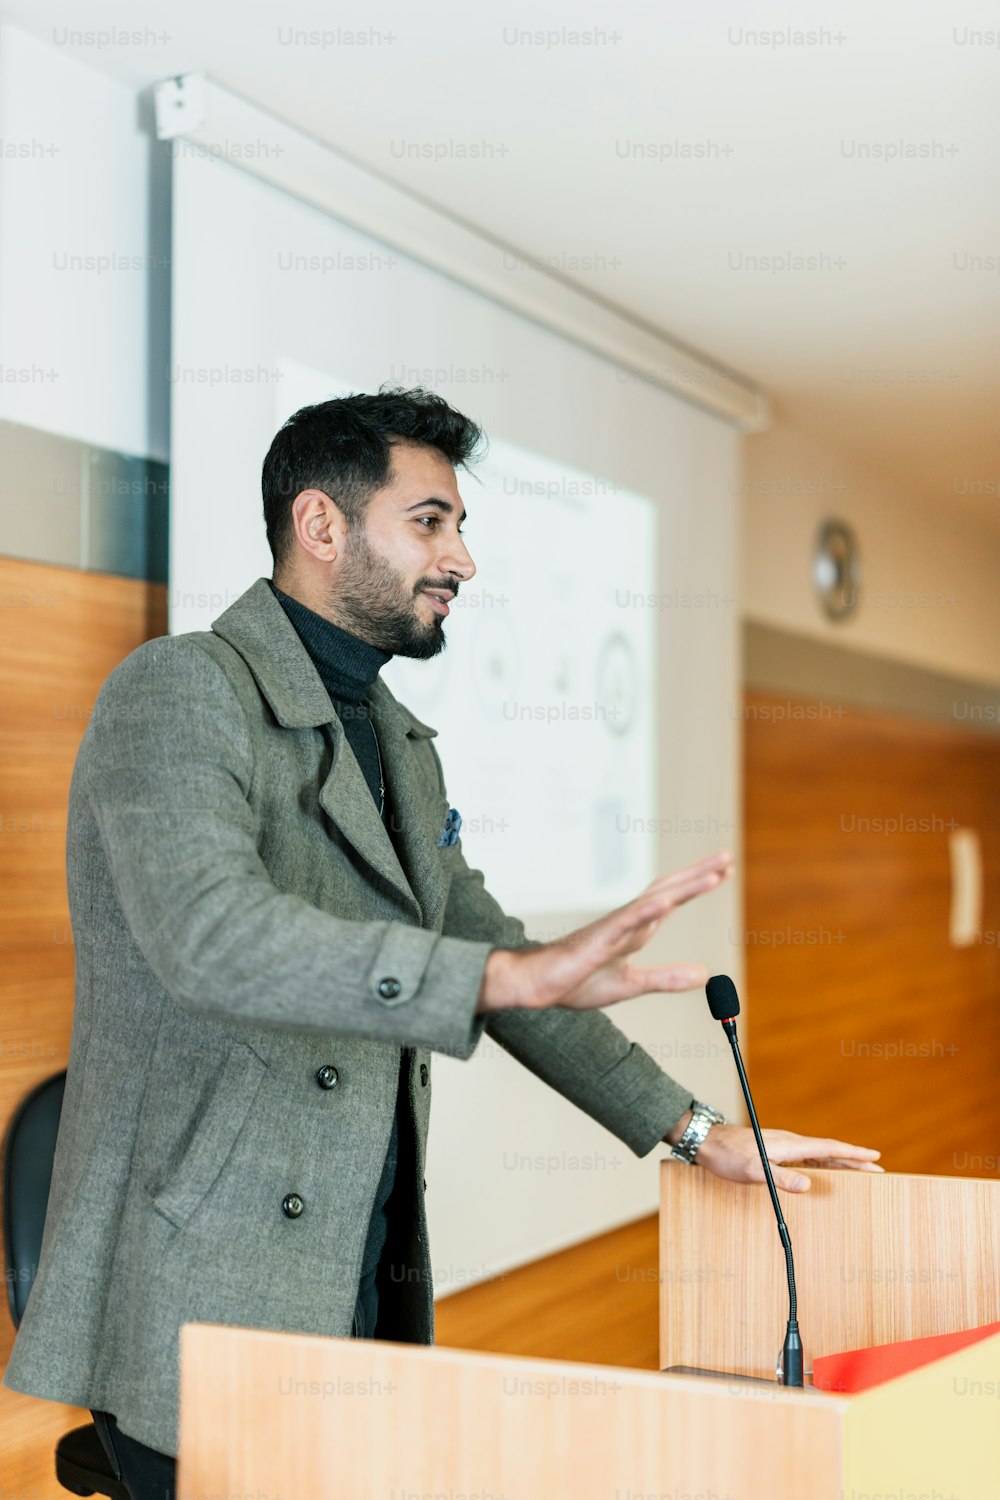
(582, 1054)
(166, 766)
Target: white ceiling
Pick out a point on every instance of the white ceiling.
(890, 348)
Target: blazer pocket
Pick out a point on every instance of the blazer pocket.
(214, 1136)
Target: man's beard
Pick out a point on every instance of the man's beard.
(371, 601)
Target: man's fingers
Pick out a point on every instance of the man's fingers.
(649, 908)
(813, 1151)
(786, 1146)
(656, 902)
(671, 978)
(729, 1151)
(587, 968)
(665, 978)
(632, 926)
(845, 1150)
(786, 1178)
(833, 1162)
(790, 1181)
(721, 860)
(625, 983)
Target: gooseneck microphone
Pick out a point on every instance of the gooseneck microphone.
(724, 1004)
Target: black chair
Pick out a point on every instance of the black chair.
(81, 1463)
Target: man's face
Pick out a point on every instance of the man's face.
(410, 544)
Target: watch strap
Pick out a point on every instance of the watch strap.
(703, 1117)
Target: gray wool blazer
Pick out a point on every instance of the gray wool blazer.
(241, 920)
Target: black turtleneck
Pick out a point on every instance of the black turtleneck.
(348, 668)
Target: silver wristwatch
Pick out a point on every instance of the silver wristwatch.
(703, 1117)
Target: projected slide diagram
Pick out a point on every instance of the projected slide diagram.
(543, 696)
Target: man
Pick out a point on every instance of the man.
(275, 927)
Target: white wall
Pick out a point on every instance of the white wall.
(84, 272)
(80, 177)
(931, 582)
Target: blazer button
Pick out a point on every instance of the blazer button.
(389, 988)
(327, 1077)
(292, 1205)
(424, 1075)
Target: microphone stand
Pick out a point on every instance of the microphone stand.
(791, 1353)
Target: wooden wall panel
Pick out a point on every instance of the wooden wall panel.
(61, 632)
(863, 1020)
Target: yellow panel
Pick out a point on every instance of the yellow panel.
(931, 1435)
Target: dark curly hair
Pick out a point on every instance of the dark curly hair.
(344, 448)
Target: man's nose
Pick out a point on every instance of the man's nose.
(457, 560)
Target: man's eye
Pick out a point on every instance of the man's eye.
(437, 522)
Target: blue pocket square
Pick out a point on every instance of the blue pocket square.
(449, 833)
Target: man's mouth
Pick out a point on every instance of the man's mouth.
(439, 599)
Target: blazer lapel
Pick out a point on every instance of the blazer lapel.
(258, 628)
(413, 812)
(346, 799)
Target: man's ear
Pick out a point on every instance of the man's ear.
(319, 524)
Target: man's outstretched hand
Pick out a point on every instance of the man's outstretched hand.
(730, 1151)
(591, 967)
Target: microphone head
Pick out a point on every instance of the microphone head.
(723, 1001)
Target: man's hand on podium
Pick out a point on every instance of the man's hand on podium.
(730, 1151)
(592, 968)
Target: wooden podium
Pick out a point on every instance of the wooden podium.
(878, 1257)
